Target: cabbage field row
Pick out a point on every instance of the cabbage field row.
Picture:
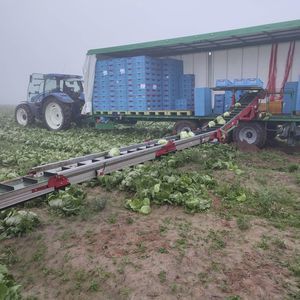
(23, 148)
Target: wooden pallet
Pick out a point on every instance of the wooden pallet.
(149, 113)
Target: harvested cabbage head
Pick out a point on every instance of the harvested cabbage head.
(162, 141)
(211, 124)
(226, 114)
(238, 104)
(114, 152)
(184, 135)
(220, 120)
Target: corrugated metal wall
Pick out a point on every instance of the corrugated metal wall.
(244, 62)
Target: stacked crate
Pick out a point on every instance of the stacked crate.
(256, 82)
(101, 93)
(203, 105)
(172, 70)
(186, 93)
(118, 88)
(144, 83)
(110, 85)
(227, 100)
(298, 99)
(219, 104)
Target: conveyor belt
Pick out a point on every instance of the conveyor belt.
(47, 178)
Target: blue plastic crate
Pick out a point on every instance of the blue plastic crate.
(219, 103)
(203, 105)
(248, 82)
(290, 97)
(254, 82)
(239, 82)
(239, 95)
(223, 83)
(298, 98)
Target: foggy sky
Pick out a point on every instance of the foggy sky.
(53, 36)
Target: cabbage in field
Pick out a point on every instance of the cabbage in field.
(68, 202)
(9, 290)
(17, 223)
(139, 205)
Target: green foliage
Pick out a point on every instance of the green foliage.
(235, 297)
(216, 239)
(293, 168)
(243, 222)
(99, 204)
(67, 202)
(264, 243)
(17, 223)
(294, 266)
(162, 275)
(298, 178)
(9, 290)
(233, 195)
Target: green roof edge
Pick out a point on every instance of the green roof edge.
(194, 38)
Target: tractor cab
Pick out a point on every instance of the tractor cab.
(54, 99)
(43, 84)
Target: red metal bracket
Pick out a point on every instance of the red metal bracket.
(167, 148)
(57, 182)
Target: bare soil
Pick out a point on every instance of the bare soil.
(118, 254)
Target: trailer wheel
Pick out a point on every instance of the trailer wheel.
(271, 132)
(250, 133)
(23, 115)
(56, 115)
(185, 126)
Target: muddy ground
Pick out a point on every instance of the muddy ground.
(119, 254)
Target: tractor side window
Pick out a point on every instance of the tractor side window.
(51, 85)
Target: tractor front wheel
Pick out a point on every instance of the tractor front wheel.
(57, 115)
(251, 133)
(23, 115)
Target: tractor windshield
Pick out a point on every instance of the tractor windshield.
(72, 85)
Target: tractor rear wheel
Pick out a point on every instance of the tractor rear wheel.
(251, 133)
(23, 115)
(56, 115)
(185, 126)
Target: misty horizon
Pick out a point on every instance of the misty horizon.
(54, 37)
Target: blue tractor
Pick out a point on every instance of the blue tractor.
(54, 99)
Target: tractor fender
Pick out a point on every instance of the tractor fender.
(32, 107)
(62, 97)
